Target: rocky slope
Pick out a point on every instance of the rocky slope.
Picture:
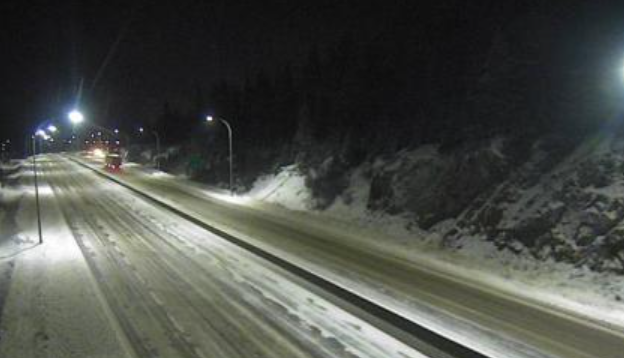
(569, 208)
(552, 199)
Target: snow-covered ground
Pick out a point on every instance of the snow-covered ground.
(596, 295)
(411, 275)
(287, 188)
(117, 274)
(10, 196)
(53, 307)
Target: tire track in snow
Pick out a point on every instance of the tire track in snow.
(174, 263)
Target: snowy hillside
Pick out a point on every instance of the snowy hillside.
(559, 203)
(569, 210)
(549, 225)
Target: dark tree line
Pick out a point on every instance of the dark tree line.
(445, 73)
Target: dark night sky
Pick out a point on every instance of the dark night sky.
(164, 51)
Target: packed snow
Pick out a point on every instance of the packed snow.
(595, 295)
(52, 305)
(59, 303)
(391, 236)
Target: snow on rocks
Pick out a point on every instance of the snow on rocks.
(286, 188)
(552, 225)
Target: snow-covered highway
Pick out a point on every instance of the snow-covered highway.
(121, 276)
(489, 321)
(164, 287)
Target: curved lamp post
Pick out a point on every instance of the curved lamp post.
(42, 134)
(210, 119)
(37, 204)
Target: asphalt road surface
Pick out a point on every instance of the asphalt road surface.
(493, 323)
(177, 290)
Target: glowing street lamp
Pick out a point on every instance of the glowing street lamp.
(211, 119)
(52, 128)
(75, 117)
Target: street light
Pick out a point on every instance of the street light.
(211, 119)
(39, 133)
(142, 130)
(75, 117)
(36, 180)
(52, 128)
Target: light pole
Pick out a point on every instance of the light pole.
(39, 133)
(37, 204)
(157, 136)
(210, 119)
(157, 149)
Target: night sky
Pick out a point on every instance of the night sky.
(163, 52)
(131, 57)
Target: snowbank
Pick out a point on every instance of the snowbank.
(286, 188)
(469, 252)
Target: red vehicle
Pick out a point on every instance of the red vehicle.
(113, 161)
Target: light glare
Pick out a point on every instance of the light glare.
(99, 153)
(76, 117)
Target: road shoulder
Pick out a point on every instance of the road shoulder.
(53, 308)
